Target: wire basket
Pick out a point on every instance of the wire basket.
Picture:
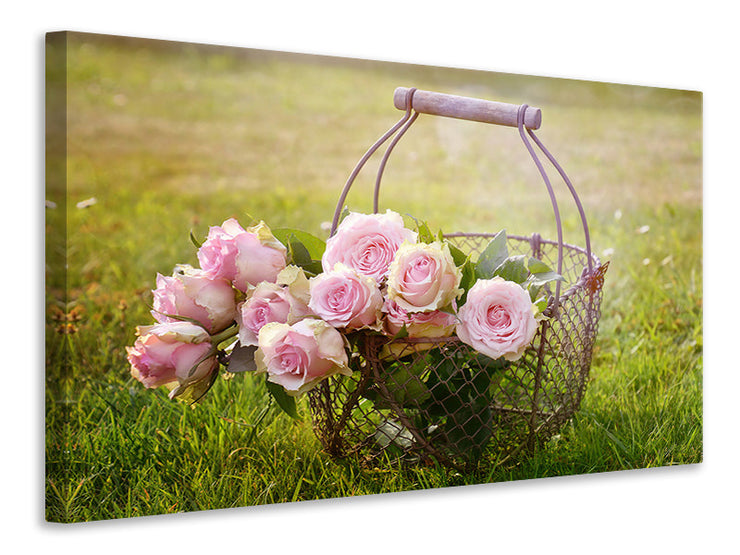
(422, 398)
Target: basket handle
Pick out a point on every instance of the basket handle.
(463, 107)
(473, 109)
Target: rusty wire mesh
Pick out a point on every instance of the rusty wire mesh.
(419, 399)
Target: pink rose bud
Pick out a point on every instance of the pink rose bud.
(423, 277)
(268, 302)
(171, 353)
(367, 243)
(243, 257)
(346, 299)
(192, 294)
(497, 319)
(299, 356)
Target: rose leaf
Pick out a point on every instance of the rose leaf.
(513, 269)
(311, 243)
(492, 257)
(284, 401)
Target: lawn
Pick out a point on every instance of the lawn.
(168, 138)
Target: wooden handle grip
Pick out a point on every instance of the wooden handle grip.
(462, 107)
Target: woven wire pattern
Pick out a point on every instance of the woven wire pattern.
(421, 398)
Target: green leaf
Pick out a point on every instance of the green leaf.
(492, 257)
(513, 269)
(299, 255)
(443, 382)
(284, 401)
(403, 381)
(425, 234)
(533, 291)
(467, 281)
(194, 240)
(401, 334)
(541, 274)
(541, 304)
(458, 256)
(538, 280)
(536, 266)
(470, 428)
(487, 364)
(406, 387)
(311, 243)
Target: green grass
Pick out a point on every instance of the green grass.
(174, 138)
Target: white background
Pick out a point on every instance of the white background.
(666, 44)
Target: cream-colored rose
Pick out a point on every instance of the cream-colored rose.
(423, 277)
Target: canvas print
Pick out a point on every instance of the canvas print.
(275, 277)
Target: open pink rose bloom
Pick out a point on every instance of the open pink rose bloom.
(367, 243)
(423, 277)
(346, 299)
(267, 303)
(298, 357)
(242, 257)
(497, 319)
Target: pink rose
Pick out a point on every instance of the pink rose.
(299, 356)
(346, 299)
(423, 277)
(192, 294)
(497, 319)
(367, 243)
(243, 257)
(173, 352)
(268, 302)
(434, 324)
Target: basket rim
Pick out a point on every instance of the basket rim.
(570, 246)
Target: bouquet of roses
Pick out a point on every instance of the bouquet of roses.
(289, 305)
